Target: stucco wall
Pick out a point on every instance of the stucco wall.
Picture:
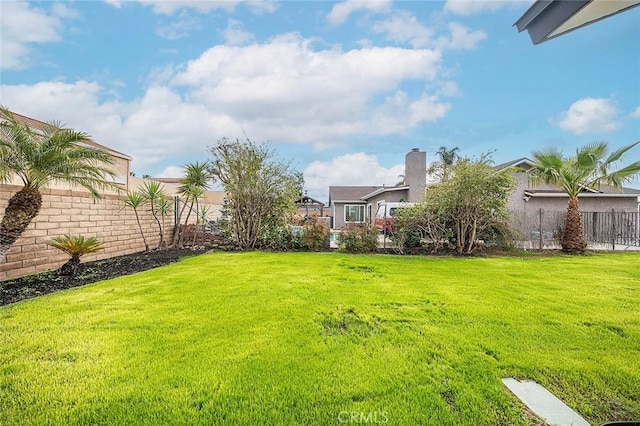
(337, 211)
(75, 212)
(587, 204)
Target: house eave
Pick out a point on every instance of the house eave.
(547, 19)
(383, 190)
(349, 201)
(582, 195)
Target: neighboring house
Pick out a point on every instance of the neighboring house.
(358, 204)
(528, 198)
(120, 166)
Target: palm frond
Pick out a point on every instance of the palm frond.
(52, 154)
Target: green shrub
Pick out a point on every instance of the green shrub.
(315, 235)
(75, 246)
(358, 239)
(282, 238)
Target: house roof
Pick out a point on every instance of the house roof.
(305, 200)
(603, 191)
(546, 19)
(167, 179)
(353, 194)
(39, 125)
(523, 163)
(385, 189)
(541, 191)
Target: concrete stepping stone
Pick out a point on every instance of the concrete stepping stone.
(543, 403)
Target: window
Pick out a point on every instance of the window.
(354, 213)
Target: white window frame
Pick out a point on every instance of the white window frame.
(361, 208)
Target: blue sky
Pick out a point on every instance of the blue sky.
(342, 89)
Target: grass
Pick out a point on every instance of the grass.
(304, 338)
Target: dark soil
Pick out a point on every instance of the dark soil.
(17, 289)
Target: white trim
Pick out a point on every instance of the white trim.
(385, 189)
(587, 195)
(364, 213)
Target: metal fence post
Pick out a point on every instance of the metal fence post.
(540, 228)
(176, 209)
(613, 229)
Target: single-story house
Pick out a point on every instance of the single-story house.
(528, 197)
(358, 204)
(120, 166)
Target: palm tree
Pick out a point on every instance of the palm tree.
(447, 158)
(588, 169)
(153, 191)
(135, 200)
(192, 186)
(39, 157)
(165, 207)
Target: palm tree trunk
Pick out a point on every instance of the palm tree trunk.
(573, 238)
(185, 224)
(146, 246)
(23, 207)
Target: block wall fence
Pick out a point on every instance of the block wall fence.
(75, 212)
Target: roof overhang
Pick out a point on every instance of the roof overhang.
(348, 201)
(383, 190)
(546, 19)
(581, 195)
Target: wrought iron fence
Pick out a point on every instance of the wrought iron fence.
(542, 229)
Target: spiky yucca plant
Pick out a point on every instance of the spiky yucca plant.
(75, 246)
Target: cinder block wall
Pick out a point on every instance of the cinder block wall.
(75, 212)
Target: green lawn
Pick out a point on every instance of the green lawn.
(305, 338)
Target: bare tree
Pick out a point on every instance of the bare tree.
(261, 191)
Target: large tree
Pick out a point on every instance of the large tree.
(471, 201)
(585, 171)
(38, 157)
(261, 191)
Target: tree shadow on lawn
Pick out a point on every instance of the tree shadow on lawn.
(35, 285)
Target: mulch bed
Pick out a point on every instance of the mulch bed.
(18, 289)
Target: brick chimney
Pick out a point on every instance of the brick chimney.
(415, 174)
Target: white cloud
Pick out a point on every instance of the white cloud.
(404, 27)
(115, 3)
(589, 115)
(235, 34)
(169, 7)
(476, 7)
(341, 11)
(285, 87)
(283, 91)
(449, 89)
(460, 37)
(636, 113)
(179, 28)
(61, 10)
(28, 25)
(260, 7)
(171, 172)
(349, 169)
